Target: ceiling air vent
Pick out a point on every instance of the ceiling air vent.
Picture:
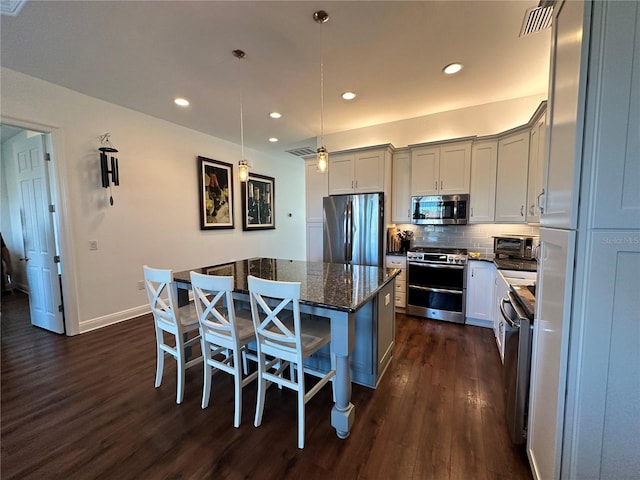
(537, 19)
(301, 152)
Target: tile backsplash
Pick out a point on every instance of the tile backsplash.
(474, 237)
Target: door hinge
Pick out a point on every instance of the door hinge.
(56, 259)
(60, 308)
(47, 157)
(52, 208)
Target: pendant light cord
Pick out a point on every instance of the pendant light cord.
(241, 127)
(321, 89)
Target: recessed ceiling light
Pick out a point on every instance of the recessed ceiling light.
(275, 115)
(273, 139)
(183, 102)
(348, 95)
(452, 68)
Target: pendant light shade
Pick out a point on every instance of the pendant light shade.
(323, 159)
(243, 170)
(321, 17)
(243, 165)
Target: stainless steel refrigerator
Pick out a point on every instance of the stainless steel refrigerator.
(353, 229)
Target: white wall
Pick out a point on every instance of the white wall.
(155, 218)
(487, 119)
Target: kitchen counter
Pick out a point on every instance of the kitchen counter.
(335, 286)
(525, 298)
(516, 264)
(508, 263)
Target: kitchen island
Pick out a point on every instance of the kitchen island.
(357, 299)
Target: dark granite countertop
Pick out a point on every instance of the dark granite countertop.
(508, 263)
(335, 286)
(525, 298)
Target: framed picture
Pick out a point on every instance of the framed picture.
(258, 203)
(216, 194)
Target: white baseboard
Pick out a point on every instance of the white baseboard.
(99, 322)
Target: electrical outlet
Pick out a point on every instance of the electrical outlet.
(93, 244)
(140, 284)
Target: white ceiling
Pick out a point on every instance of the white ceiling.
(142, 54)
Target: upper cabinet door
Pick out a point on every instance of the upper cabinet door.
(567, 92)
(511, 182)
(482, 195)
(401, 188)
(368, 170)
(614, 113)
(536, 169)
(341, 174)
(425, 174)
(455, 168)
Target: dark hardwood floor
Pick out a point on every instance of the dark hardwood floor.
(85, 407)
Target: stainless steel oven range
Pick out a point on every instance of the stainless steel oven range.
(436, 283)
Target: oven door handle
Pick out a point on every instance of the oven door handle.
(437, 290)
(437, 265)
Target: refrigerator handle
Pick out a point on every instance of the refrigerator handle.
(351, 230)
(345, 227)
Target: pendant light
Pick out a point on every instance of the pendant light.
(321, 17)
(243, 165)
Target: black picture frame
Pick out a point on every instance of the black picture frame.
(258, 214)
(215, 194)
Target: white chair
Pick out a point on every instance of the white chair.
(177, 322)
(224, 335)
(287, 341)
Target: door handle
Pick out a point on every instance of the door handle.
(522, 210)
(441, 184)
(26, 259)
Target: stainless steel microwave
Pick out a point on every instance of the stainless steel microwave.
(516, 246)
(440, 210)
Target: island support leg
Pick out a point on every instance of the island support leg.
(342, 338)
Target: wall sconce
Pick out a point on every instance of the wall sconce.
(108, 150)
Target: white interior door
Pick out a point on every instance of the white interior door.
(45, 301)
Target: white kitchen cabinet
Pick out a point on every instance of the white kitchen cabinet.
(511, 180)
(482, 197)
(537, 163)
(501, 288)
(316, 187)
(480, 293)
(314, 242)
(399, 261)
(537, 155)
(360, 171)
(441, 169)
(549, 351)
(401, 187)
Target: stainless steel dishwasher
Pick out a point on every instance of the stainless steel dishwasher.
(517, 367)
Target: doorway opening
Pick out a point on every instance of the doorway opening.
(30, 223)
